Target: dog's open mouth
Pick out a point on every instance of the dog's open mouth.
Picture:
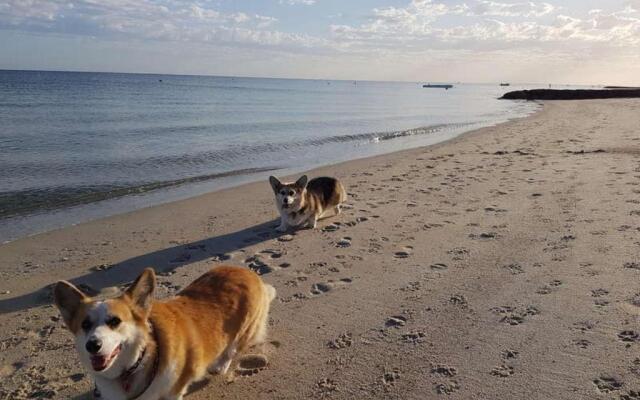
(101, 362)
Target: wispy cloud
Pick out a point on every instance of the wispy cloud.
(483, 25)
(147, 19)
(497, 9)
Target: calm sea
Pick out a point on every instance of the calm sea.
(77, 146)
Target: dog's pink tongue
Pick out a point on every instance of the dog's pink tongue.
(99, 363)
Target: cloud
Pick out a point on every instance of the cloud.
(484, 25)
(16, 12)
(496, 9)
(172, 20)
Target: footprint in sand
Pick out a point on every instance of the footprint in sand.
(514, 317)
(391, 377)
(632, 265)
(251, 364)
(102, 267)
(544, 290)
(629, 336)
(325, 387)
(285, 238)
(330, 228)
(631, 395)
(272, 253)
(444, 370)
(582, 343)
(514, 268)
(343, 341)
(503, 371)
(484, 236)
(395, 321)
(509, 354)
(344, 242)
(414, 337)
(256, 264)
(439, 267)
(458, 300)
(404, 253)
(446, 388)
(324, 287)
(607, 383)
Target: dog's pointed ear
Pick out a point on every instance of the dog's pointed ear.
(142, 290)
(302, 182)
(68, 299)
(275, 183)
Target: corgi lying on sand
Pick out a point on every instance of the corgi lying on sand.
(138, 348)
(303, 203)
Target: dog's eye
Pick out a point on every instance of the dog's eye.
(86, 324)
(113, 322)
(291, 192)
(284, 193)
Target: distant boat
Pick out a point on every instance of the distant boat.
(505, 84)
(444, 86)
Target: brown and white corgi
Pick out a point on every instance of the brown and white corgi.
(139, 348)
(302, 203)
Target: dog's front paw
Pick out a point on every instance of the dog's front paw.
(281, 228)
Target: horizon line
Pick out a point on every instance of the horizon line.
(287, 78)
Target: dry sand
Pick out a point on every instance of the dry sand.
(501, 265)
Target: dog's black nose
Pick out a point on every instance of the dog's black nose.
(94, 345)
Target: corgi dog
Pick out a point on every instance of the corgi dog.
(302, 203)
(138, 348)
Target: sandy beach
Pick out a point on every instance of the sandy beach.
(503, 264)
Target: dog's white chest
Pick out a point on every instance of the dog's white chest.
(110, 389)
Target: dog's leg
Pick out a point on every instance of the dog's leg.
(338, 209)
(312, 222)
(283, 225)
(222, 364)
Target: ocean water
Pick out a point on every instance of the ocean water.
(76, 146)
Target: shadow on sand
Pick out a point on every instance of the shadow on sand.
(195, 387)
(165, 260)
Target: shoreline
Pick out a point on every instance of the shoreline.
(60, 218)
(500, 263)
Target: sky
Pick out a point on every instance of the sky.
(563, 41)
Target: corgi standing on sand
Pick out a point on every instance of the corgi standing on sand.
(302, 203)
(138, 348)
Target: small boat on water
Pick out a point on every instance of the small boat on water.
(505, 84)
(443, 86)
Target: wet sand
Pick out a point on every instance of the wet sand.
(500, 265)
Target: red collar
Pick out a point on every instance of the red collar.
(126, 377)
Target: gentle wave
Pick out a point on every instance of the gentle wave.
(378, 136)
(235, 152)
(28, 201)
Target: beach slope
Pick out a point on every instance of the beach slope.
(500, 265)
